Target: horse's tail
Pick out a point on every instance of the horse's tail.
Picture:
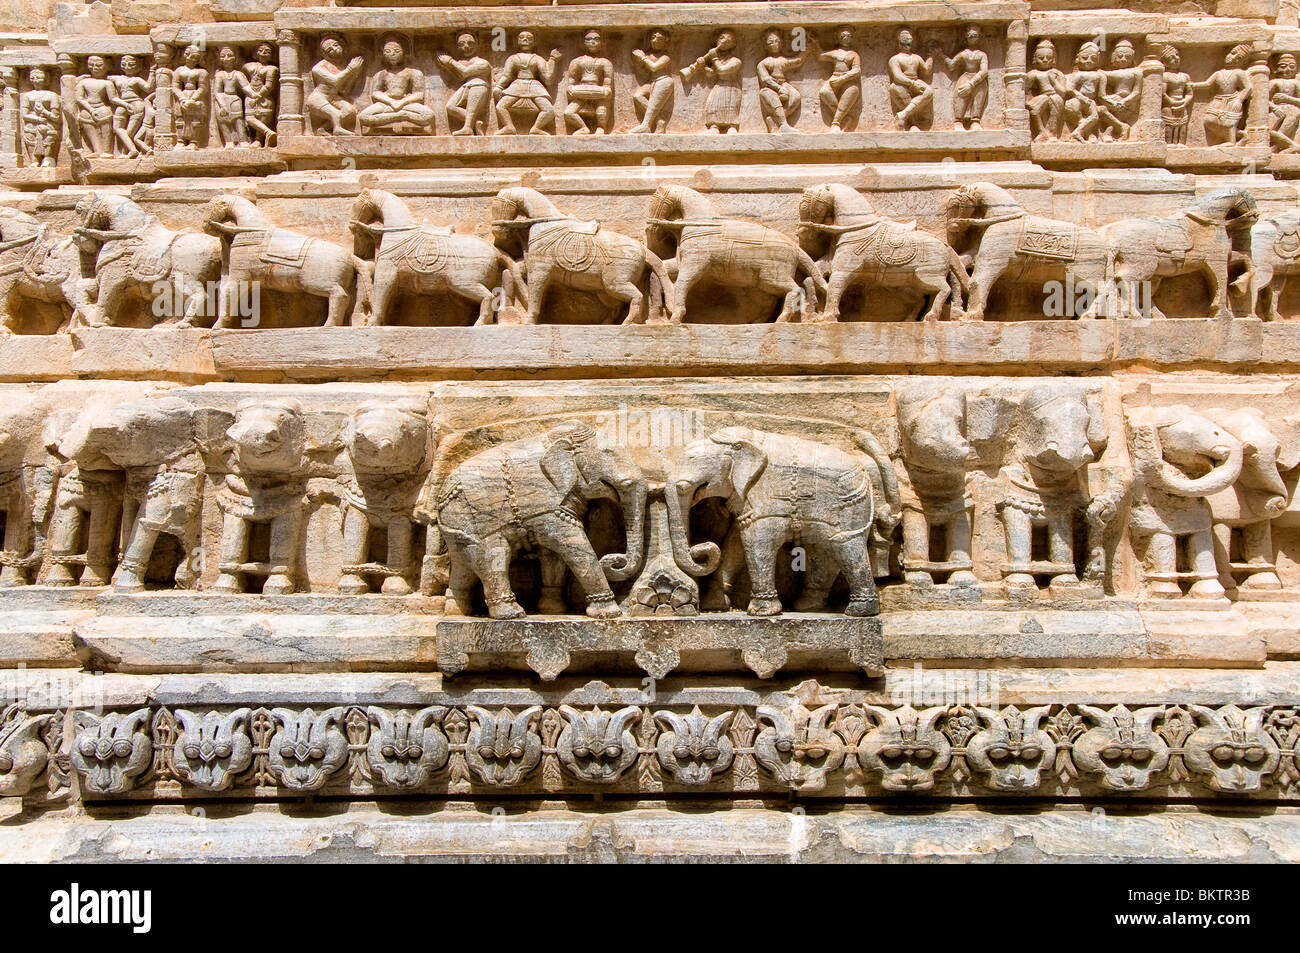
(812, 270)
(365, 291)
(667, 291)
(519, 287)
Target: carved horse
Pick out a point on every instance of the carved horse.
(135, 254)
(1275, 254)
(732, 252)
(421, 259)
(884, 254)
(998, 238)
(1202, 240)
(39, 265)
(577, 254)
(282, 260)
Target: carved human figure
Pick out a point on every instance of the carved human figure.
(535, 492)
(778, 98)
(841, 93)
(267, 486)
(1087, 112)
(935, 495)
(970, 94)
(333, 78)
(398, 95)
(653, 99)
(467, 109)
(1284, 105)
(230, 91)
(191, 97)
(1176, 97)
(783, 489)
(1231, 89)
(96, 98)
(721, 67)
(1180, 458)
(590, 109)
(133, 120)
(910, 94)
(260, 104)
(42, 120)
(1123, 95)
(1045, 92)
(386, 442)
(523, 88)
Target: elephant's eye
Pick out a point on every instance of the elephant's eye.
(1113, 753)
(626, 483)
(923, 754)
(122, 748)
(582, 751)
(517, 751)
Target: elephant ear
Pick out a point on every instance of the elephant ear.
(748, 459)
(559, 467)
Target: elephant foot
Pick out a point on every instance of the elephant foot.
(813, 600)
(507, 610)
(277, 584)
(922, 580)
(126, 580)
(551, 603)
(96, 576)
(716, 599)
(1020, 580)
(1164, 589)
(863, 605)
(1065, 579)
(454, 606)
(9, 580)
(963, 577)
(604, 610)
(395, 586)
(352, 585)
(227, 584)
(764, 606)
(1206, 589)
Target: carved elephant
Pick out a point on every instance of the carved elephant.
(534, 493)
(85, 523)
(26, 494)
(1260, 495)
(268, 486)
(387, 443)
(1055, 431)
(1180, 460)
(935, 456)
(784, 489)
(152, 442)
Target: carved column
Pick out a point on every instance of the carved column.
(68, 98)
(1150, 126)
(11, 146)
(164, 131)
(291, 121)
(1257, 109)
(1015, 113)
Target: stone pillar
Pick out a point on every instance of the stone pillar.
(164, 130)
(1016, 113)
(11, 146)
(1257, 107)
(68, 98)
(291, 121)
(1150, 126)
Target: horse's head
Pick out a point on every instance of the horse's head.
(364, 207)
(817, 205)
(217, 212)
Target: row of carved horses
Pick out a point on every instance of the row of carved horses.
(119, 254)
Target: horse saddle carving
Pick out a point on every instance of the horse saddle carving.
(1287, 244)
(897, 245)
(1045, 239)
(151, 262)
(426, 253)
(283, 247)
(1173, 240)
(574, 248)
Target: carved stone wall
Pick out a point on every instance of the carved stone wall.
(783, 405)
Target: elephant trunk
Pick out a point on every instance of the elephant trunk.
(620, 567)
(700, 559)
(1223, 475)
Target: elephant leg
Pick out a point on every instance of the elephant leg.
(717, 594)
(283, 554)
(399, 557)
(1261, 281)
(760, 558)
(1257, 553)
(554, 572)
(959, 539)
(823, 566)
(1019, 528)
(1060, 545)
(916, 547)
(460, 581)
(1205, 571)
(575, 549)
(234, 552)
(1271, 293)
(65, 532)
(356, 550)
(139, 549)
(490, 559)
(792, 303)
(15, 542)
(854, 557)
(1161, 565)
(102, 529)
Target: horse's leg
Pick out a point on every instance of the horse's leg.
(382, 290)
(624, 289)
(226, 292)
(1216, 273)
(835, 287)
(340, 304)
(935, 285)
(483, 295)
(1261, 291)
(987, 272)
(688, 272)
(539, 276)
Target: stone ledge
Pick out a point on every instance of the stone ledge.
(553, 833)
